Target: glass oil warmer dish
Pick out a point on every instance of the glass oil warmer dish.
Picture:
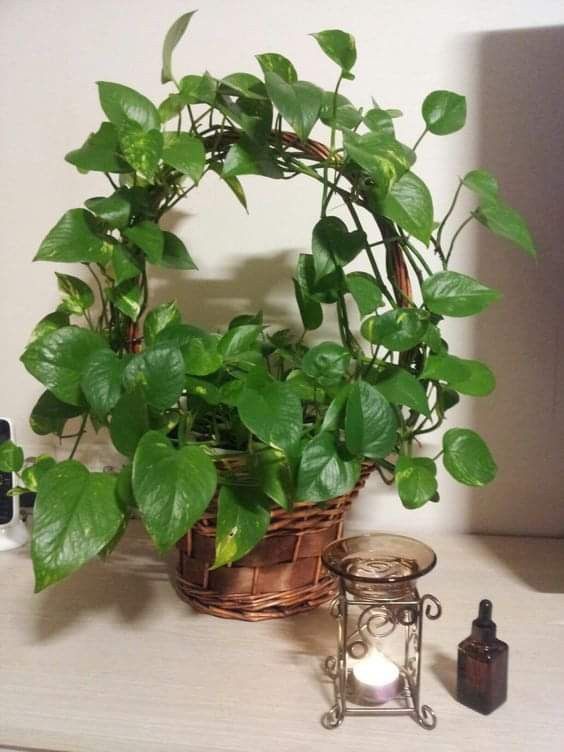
(379, 613)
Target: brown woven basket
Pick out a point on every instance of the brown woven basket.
(283, 575)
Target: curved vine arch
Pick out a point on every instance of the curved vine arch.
(305, 418)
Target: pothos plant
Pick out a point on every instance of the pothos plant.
(174, 396)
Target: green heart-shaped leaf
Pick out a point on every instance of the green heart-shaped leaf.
(129, 421)
(175, 253)
(334, 246)
(115, 210)
(469, 377)
(48, 324)
(172, 487)
(159, 371)
(506, 222)
(273, 474)
(365, 291)
(185, 153)
(370, 422)
(33, 474)
(482, 183)
(444, 112)
(101, 381)
(402, 388)
(338, 110)
(400, 329)
(416, 480)
(59, 359)
(380, 121)
(50, 415)
(77, 295)
(198, 348)
(409, 205)
(381, 156)
(454, 294)
(239, 339)
(76, 514)
(126, 264)
(339, 46)
(273, 413)
(123, 105)
(11, 457)
(310, 310)
(141, 148)
(467, 458)
(149, 237)
(127, 298)
(272, 62)
(166, 314)
(100, 152)
(298, 103)
(173, 36)
(75, 238)
(324, 472)
(242, 520)
(327, 363)
(243, 85)
(247, 157)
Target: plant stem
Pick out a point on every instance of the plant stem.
(104, 314)
(432, 428)
(456, 234)
(178, 198)
(409, 246)
(200, 118)
(416, 144)
(388, 240)
(114, 185)
(79, 436)
(324, 198)
(356, 219)
(439, 251)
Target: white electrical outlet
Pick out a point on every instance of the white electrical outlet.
(13, 533)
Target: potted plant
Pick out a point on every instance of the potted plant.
(230, 436)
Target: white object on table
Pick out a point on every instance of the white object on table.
(14, 533)
(376, 678)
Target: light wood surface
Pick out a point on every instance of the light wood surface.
(112, 661)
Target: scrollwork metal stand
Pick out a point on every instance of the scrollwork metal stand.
(375, 618)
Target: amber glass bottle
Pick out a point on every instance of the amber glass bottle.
(482, 665)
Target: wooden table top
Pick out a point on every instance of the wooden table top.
(112, 661)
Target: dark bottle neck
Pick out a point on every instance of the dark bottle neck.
(483, 628)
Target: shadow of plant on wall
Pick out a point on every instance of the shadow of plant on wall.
(249, 285)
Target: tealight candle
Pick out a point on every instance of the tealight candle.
(376, 679)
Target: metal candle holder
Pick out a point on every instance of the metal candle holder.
(379, 615)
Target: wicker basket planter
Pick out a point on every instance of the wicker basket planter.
(283, 575)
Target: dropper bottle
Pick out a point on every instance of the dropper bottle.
(482, 665)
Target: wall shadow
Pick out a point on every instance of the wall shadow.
(521, 107)
(248, 285)
(313, 635)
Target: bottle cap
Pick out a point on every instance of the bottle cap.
(483, 628)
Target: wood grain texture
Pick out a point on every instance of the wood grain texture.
(113, 660)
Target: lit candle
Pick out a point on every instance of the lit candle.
(376, 678)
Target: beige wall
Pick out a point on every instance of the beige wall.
(52, 52)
